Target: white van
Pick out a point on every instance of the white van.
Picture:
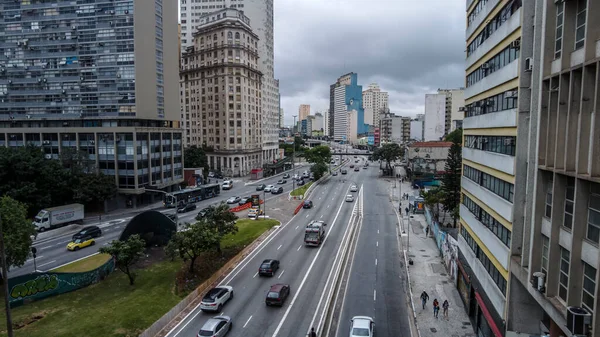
(227, 185)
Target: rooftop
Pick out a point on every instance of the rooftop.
(431, 144)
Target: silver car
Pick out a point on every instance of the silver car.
(217, 326)
(349, 198)
(353, 188)
(361, 326)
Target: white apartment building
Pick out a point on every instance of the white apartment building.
(326, 122)
(340, 113)
(261, 13)
(374, 102)
(317, 123)
(352, 126)
(221, 95)
(435, 117)
(281, 117)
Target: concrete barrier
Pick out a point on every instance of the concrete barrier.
(190, 301)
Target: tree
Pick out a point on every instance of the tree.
(17, 231)
(77, 162)
(95, 189)
(389, 153)
(433, 198)
(222, 221)
(318, 170)
(455, 136)
(195, 157)
(451, 180)
(190, 243)
(126, 254)
(318, 154)
(298, 142)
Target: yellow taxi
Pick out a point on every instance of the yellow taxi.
(81, 243)
(254, 212)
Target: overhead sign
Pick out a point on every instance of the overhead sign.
(371, 140)
(255, 200)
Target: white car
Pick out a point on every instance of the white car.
(353, 188)
(233, 200)
(349, 198)
(361, 326)
(215, 299)
(227, 185)
(269, 188)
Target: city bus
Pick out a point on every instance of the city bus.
(194, 194)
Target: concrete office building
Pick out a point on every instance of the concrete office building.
(281, 118)
(317, 123)
(435, 117)
(326, 122)
(554, 254)
(303, 111)
(306, 126)
(394, 129)
(100, 79)
(260, 13)
(416, 130)
(455, 102)
(352, 127)
(221, 91)
(490, 167)
(375, 102)
(346, 95)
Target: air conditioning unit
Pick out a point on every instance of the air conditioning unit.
(578, 320)
(528, 64)
(46, 142)
(48, 156)
(489, 102)
(462, 108)
(516, 44)
(92, 142)
(485, 66)
(539, 279)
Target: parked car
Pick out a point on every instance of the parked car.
(307, 204)
(349, 198)
(93, 231)
(277, 294)
(353, 188)
(269, 188)
(277, 190)
(268, 267)
(281, 181)
(244, 201)
(233, 200)
(215, 299)
(361, 326)
(286, 176)
(217, 326)
(261, 187)
(186, 208)
(76, 245)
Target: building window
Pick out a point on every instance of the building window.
(593, 226)
(503, 101)
(569, 202)
(496, 185)
(560, 10)
(488, 221)
(495, 63)
(580, 24)
(548, 209)
(563, 281)
(589, 286)
(493, 24)
(497, 144)
(485, 261)
(545, 253)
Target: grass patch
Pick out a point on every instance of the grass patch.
(112, 308)
(301, 190)
(87, 264)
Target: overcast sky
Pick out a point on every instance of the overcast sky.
(408, 47)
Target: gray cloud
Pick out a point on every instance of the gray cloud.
(409, 47)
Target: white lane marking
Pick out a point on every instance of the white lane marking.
(48, 246)
(248, 321)
(307, 215)
(38, 257)
(297, 227)
(378, 231)
(47, 263)
(299, 248)
(106, 244)
(255, 275)
(279, 247)
(374, 295)
(287, 312)
(333, 198)
(85, 257)
(321, 216)
(283, 271)
(320, 198)
(375, 261)
(222, 314)
(328, 206)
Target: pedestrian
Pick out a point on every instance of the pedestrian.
(445, 307)
(436, 308)
(312, 333)
(406, 209)
(424, 298)
(427, 231)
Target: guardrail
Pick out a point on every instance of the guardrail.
(243, 207)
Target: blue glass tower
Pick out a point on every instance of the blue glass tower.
(354, 102)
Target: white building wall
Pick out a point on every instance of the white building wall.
(416, 130)
(317, 123)
(340, 113)
(457, 102)
(352, 128)
(374, 100)
(326, 122)
(435, 117)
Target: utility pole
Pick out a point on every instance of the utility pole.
(294, 158)
(9, 328)
(265, 204)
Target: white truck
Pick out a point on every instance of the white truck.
(58, 216)
(314, 233)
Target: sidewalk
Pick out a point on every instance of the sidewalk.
(428, 273)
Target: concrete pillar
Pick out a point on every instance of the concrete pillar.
(558, 212)
(580, 217)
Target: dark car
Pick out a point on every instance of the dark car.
(281, 181)
(244, 201)
(93, 231)
(261, 187)
(186, 208)
(356, 169)
(268, 267)
(344, 171)
(300, 182)
(286, 176)
(334, 173)
(307, 204)
(278, 294)
(277, 190)
(203, 213)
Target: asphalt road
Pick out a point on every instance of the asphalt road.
(305, 269)
(375, 286)
(52, 252)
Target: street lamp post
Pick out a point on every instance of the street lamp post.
(9, 328)
(265, 204)
(294, 159)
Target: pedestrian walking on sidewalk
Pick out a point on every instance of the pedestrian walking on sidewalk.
(424, 298)
(406, 209)
(427, 231)
(436, 308)
(312, 333)
(445, 307)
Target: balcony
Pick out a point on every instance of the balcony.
(489, 7)
(502, 207)
(497, 161)
(500, 76)
(489, 240)
(500, 119)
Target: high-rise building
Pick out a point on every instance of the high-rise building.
(352, 126)
(416, 130)
(435, 117)
(317, 124)
(347, 96)
(303, 111)
(489, 191)
(68, 82)
(260, 13)
(326, 122)
(221, 100)
(375, 102)
(554, 254)
(281, 118)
